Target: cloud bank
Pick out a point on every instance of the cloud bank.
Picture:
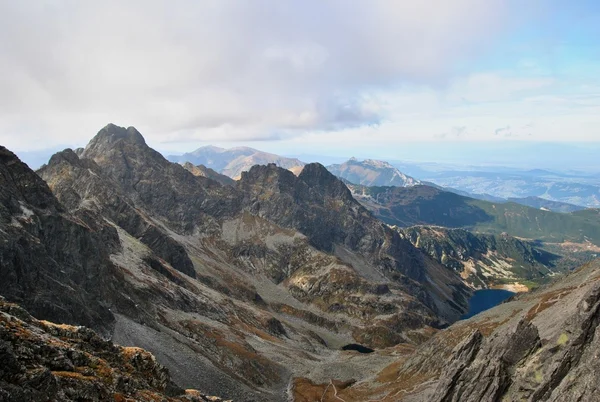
(288, 71)
(207, 69)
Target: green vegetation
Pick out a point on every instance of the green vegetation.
(521, 221)
(424, 205)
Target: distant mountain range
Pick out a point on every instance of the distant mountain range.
(372, 173)
(233, 161)
(575, 189)
(538, 188)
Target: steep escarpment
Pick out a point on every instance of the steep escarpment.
(54, 263)
(321, 207)
(80, 184)
(532, 361)
(163, 189)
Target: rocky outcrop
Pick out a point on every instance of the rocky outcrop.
(80, 184)
(44, 361)
(478, 373)
(53, 263)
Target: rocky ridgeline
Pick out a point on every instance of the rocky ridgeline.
(43, 361)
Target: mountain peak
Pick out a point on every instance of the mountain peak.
(378, 164)
(113, 133)
(112, 140)
(372, 172)
(316, 173)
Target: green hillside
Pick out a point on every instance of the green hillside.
(424, 205)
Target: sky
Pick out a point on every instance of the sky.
(432, 79)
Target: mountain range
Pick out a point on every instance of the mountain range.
(259, 278)
(232, 162)
(270, 287)
(572, 188)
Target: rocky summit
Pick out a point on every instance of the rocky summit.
(274, 287)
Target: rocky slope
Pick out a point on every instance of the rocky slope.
(539, 346)
(485, 260)
(236, 289)
(372, 173)
(44, 361)
(232, 162)
(201, 170)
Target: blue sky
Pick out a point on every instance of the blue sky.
(371, 78)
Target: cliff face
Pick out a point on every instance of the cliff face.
(533, 359)
(52, 262)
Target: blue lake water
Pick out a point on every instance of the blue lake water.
(485, 299)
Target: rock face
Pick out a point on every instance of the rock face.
(44, 361)
(81, 184)
(232, 162)
(372, 173)
(54, 263)
(520, 366)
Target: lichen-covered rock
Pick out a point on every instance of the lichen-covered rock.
(43, 361)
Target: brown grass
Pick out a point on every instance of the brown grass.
(73, 375)
(547, 300)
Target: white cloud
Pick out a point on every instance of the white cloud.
(182, 70)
